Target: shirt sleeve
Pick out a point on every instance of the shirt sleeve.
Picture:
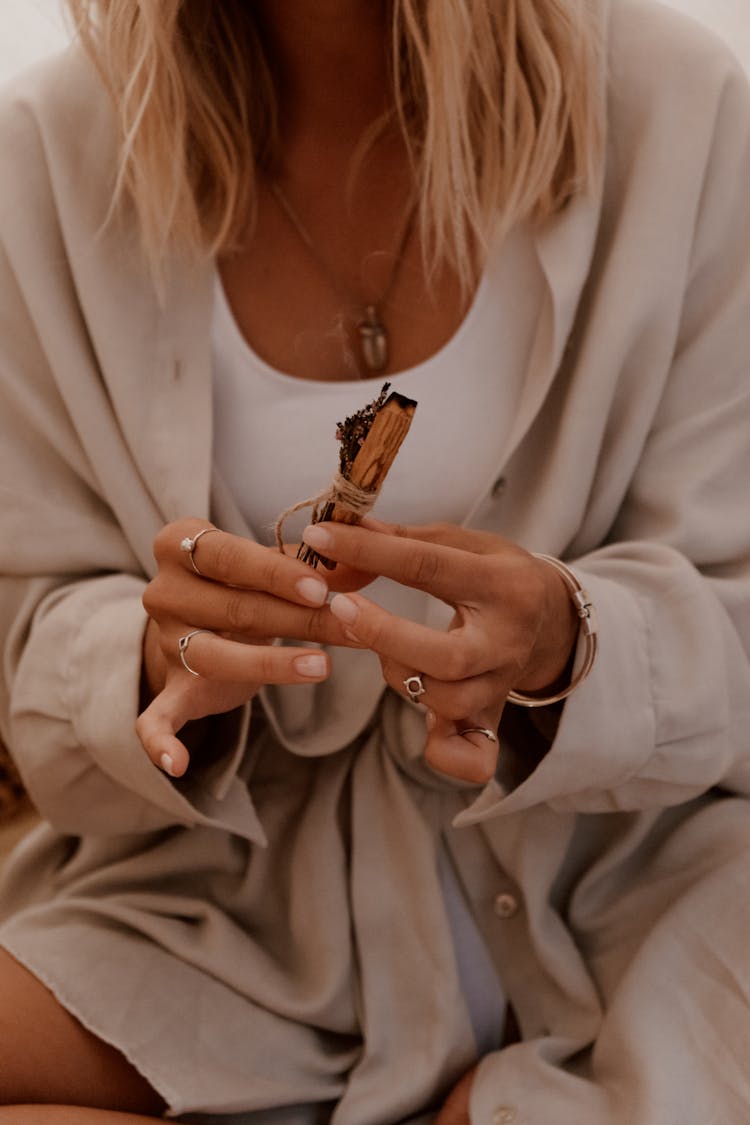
(71, 576)
(665, 712)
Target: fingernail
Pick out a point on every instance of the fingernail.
(316, 537)
(344, 608)
(167, 764)
(312, 590)
(430, 719)
(313, 666)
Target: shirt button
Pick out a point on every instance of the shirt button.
(503, 1115)
(506, 906)
(498, 487)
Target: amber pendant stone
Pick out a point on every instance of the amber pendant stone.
(373, 340)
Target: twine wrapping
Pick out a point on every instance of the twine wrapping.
(340, 493)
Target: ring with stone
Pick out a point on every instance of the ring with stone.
(188, 545)
(414, 687)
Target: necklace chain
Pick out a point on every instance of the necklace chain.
(373, 334)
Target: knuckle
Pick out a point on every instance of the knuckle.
(151, 600)
(315, 625)
(164, 543)
(236, 613)
(423, 568)
(460, 660)
(269, 669)
(267, 567)
(373, 629)
(494, 578)
(225, 559)
(160, 598)
(451, 708)
(458, 703)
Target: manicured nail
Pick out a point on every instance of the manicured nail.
(430, 719)
(316, 537)
(313, 590)
(313, 666)
(344, 608)
(167, 764)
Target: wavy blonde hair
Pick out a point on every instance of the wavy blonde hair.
(500, 101)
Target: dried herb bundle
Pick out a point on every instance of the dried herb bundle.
(369, 441)
(352, 432)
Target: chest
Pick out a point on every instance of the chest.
(300, 290)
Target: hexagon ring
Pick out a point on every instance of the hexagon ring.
(414, 687)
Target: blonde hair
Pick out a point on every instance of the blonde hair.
(500, 101)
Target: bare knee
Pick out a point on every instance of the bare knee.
(48, 1057)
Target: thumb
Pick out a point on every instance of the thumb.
(157, 727)
(471, 756)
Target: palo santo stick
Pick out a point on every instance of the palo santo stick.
(378, 451)
(369, 468)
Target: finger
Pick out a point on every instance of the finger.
(471, 696)
(455, 1110)
(446, 572)
(185, 698)
(162, 745)
(446, 534)
(468, 757)
(454, 655)
(226, 661)
(209, 605)
(233, 560)
(157, 728)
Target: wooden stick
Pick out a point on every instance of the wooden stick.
(378, 450)
(371, 465)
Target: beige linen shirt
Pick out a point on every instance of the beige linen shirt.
(270, 931)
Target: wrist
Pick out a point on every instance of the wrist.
(561, 635)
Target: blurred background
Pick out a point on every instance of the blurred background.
(30, 29)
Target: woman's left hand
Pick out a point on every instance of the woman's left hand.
(514, 626)
(455, 1109)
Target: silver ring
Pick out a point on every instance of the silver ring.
(414, 686)
(488, 734)
(182, 646)
(188, 545)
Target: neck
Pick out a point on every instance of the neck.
(331, 58)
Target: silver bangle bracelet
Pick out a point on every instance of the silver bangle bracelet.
(588, 627)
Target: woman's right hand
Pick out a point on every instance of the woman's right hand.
(244, 596)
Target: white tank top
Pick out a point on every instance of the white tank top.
(275, 434)
(275, 444)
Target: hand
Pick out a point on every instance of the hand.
(455, 1109)
(514, 626)
(245, 595)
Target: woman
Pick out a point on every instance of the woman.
(338, 905)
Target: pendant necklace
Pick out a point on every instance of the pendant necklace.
(372, 332)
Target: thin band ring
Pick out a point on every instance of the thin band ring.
(414, 686)
(188, 545)
(182, 646)
(488, 734)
